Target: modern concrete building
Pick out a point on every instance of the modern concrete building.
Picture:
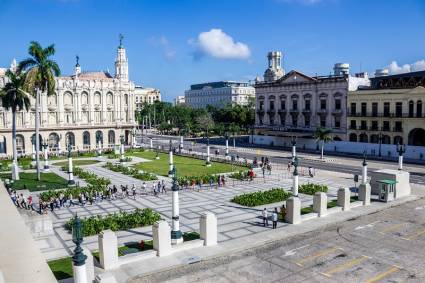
(145, 94)
(219, 94)
(88, 108)
(296, 104)
(391, 110)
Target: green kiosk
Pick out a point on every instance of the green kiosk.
(386, 190)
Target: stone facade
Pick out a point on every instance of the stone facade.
(88, 108)
(391, 111)
(297, 104)
(146, 94)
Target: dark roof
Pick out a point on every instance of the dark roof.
(405, 80)
(219, 84)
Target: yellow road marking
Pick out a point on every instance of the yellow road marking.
(413, 236)
(316, 255)
(345, 265)
(381, 276)
(392, 228)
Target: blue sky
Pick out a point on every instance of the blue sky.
(172, 44)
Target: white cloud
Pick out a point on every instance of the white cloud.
(394, 68)
(218, 44)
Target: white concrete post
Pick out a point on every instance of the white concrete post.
(89, 264)
(33, 152)
(227, 146)
(108, 249)
(161, 238)
(344, 199)
(176, 234)
(208, 228)
(294, 151)
(364, 193)
(46, 159)
(70, 172)
(293, 210)
(99, 148)
(151, 143)
(208, 156)
(122, 152)
(59, 147)
(295, 185)
(400, 162)
(181, 142)
(80, 273)
(320, 203)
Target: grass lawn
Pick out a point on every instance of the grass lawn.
(61, 268)
(76, 162)
(332, 203)
(29, 180)
(185, 166)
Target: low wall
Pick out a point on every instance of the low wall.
(387, 150)
(21, 260)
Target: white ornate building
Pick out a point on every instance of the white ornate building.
(88, 109)
(294, 104)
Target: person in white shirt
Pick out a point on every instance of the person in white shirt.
(274, 218)
(265, 217)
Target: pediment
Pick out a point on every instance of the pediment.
(295, 77)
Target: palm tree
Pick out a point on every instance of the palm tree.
(13, 97)
(322, 135)
(41, 72)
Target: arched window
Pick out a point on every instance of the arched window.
(386, 139)
(2, 144)
(53, 140)
(40, 139)
(353, 137)
(70, 139)
(374, 139)
(398, 140)
(99, 137)
(111, 137)
(20, 144)
(86, 138)
(363, 138)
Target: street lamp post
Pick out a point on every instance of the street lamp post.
(227, 144)
(79, 258)
(133, 137)
(71, 181)
(176, 234)
(150, 143)
(46, 155)
(401, 149)
(181, 145)
(294, 147)
(157, 152)
(33, 148)
(364, 169)
(295, 175)
(170, 159)
(208, 163)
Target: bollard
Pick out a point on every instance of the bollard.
(364, 193)
(108, 249)
(208, 228)
(293, 210)
(161, 238)
(344, 199)
(320, 203)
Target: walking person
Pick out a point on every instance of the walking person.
(133, 189)
(263, 169)
(310, 171)
(274, 218)
(265, 214)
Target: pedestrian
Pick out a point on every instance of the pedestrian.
(263, 169)
(269, 168)
(283, 211)
(265, 217)
(23, 201)
(30, 203)
(310, 171)
(133, 189)
(211, 183)
(274, 218)
(163, 190)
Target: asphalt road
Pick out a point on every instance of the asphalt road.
(417, 172)
(386, 246)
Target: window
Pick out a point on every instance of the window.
(353, 109)
(386, 109)
(353, 125)
(294, 104)
(363, 108)
(307, 121)
(363, 125)
(322, 122)
(272, 105)
(261, 105)
(294, 121)
(411, 108)
(282, 120)
(282, 104)
(419, 109)
(337, 122)
(271, 121)
(375, 109)
(398, 127)
(337, 104)
(307, 105)
(386, 126)
(398, 109)
(374, 125)
(323, 104)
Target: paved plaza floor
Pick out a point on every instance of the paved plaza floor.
(233, 220)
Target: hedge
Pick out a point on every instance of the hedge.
(262, 197)
(144, 176)
(311, 189)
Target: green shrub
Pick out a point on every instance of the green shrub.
(135, 173)
(117, 221)
(311, 189)
(241, 175)
(205, 179)
(261, 198)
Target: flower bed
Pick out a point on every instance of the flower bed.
(205, 179)
(240, 175)
(311, 189)
(130, 171)
(117, 221)
(89, 177)
(261, 198)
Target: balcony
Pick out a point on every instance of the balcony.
(306, 111)
(322, 112)
(337, 112)
(294, 111)
(271, 111)
(282, 111)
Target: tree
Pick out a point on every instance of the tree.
(13, 97)
(322, 135)
(41, 72)
(234, 129)
(206, 123)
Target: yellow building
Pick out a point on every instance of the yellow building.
(390, 111)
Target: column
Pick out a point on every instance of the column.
(176, 234)
(227, 146)
(71, 181)
(170, 161)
